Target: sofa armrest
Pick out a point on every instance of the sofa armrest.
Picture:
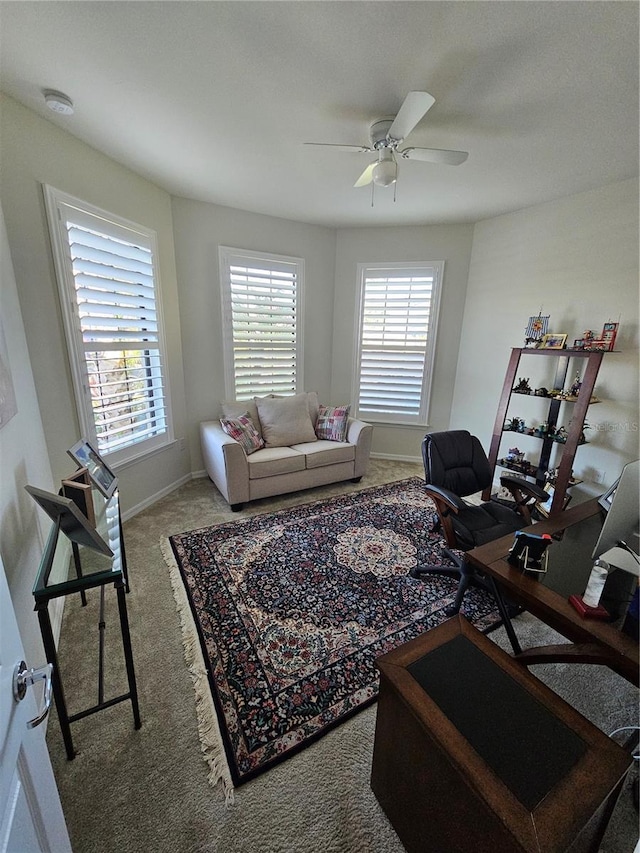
(225, 461)
(360, 433)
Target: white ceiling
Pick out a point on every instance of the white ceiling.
(213, 100)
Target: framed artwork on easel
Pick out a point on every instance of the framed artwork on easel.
(101, 475)
(64, 512)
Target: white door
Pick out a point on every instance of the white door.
(31, 818)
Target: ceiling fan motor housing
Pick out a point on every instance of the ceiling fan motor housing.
(378, 133)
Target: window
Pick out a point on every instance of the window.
(397, 321)
(111, 308)
(261, 305)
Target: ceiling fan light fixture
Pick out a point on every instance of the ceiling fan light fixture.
(58, 102)
(385, 173)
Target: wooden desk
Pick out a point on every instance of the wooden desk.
(472, 752)
(592, 641)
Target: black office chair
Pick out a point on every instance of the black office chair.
(455, 467)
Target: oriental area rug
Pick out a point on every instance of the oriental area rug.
(291, 610)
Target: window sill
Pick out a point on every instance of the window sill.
(394, 424)
(142, 456)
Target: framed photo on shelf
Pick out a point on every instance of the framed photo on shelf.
(101, 475)
(553, 341)
(609, 333)
(71, 521)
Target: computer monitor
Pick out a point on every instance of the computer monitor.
(622, 523)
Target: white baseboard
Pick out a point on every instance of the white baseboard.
(195, 475)
(395, 458)
(134, 510)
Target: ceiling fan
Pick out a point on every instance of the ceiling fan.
(387, 134)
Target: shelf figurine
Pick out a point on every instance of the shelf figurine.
(577, 385)
(522, 387)
(536, 330)
(515, 455)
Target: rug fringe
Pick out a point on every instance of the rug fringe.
(208, 726)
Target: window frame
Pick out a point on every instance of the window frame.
(229, 256)
(86, 214)
(369, 270)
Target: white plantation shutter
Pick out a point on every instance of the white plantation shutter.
(261, 299)
(397, 324)
(111, 309)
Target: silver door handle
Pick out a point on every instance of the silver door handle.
(23, 678)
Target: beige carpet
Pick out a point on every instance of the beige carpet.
(136, 791)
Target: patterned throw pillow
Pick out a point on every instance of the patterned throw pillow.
(244, 432)
(241, 408)
(332, 422)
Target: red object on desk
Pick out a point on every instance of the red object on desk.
(588, 612)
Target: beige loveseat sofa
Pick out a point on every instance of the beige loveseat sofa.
(300, 444)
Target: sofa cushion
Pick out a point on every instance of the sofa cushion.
(319, 453)
(237, 408)
(332, 422)
(312, 400)
(285, 420)
(271, 461)
(244, 432)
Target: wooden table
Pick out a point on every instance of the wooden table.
(474, 753)
(592, 641)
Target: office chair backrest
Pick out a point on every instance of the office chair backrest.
(455, 460)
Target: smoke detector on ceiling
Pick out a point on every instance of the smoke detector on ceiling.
(58, 102)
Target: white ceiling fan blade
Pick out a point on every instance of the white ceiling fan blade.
(358, 149)
(415, 106)
(435, 155)
(367, 176)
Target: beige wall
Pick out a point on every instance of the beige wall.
(199, 229)
(36, 152)
(448, 243)
(577, 259)
(23, 460)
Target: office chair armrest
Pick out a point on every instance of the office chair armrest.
(451, 500)
(531, 489)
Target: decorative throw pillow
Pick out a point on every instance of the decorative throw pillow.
(332, 422)
(244, 432)
(312, 402)
(241, 408)
(285, 420)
